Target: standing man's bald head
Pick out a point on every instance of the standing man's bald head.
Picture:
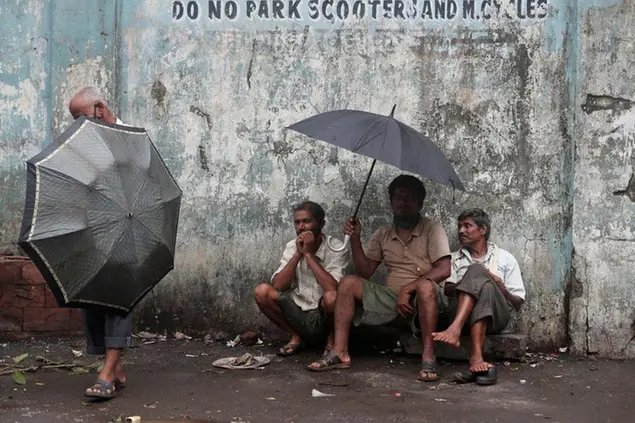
(89, 101)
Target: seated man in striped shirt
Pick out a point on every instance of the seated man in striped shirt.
(486, 288)
(301, 296)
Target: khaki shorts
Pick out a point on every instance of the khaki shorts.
(310, 325)
(379, 307)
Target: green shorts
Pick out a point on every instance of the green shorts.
(379, 307)
(310, 325)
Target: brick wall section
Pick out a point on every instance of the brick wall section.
(27, 305)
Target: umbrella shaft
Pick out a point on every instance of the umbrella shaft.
(359, 203)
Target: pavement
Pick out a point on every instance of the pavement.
(175, 379)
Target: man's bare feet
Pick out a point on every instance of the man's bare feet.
(120, 375)
(449, 336)
(478, 366)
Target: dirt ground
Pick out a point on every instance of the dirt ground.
(176, 380)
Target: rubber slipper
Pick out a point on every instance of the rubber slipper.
(428, 366)
(330, 362)
(101, 390)
(487, 378)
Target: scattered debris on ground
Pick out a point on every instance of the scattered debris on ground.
(19, 367)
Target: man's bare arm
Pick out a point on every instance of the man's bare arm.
(364, 266)
(439, 272)
(324, 278)
(515, 301)
(283, 279)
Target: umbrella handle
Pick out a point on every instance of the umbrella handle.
(340, 249)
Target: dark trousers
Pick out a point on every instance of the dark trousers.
(490, 303)
(105, 329)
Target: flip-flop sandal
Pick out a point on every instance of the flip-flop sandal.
(290, 349)
(487, 378)
(428, 366)
(464, 377)
(327, 351)
(101, 390)
(329, 362)
(119, 384)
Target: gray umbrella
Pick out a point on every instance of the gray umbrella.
(382, 138)
(100, 216)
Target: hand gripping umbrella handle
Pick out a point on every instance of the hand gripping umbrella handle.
(340, 249)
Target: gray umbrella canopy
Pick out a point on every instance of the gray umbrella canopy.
(101, 214)
(382, 138)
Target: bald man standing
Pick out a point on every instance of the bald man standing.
(107, 331)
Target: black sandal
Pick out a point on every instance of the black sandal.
(330, 361)
(428, 366)
(487, 378)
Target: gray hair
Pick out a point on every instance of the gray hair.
(90, 95)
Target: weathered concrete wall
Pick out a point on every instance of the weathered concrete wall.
(495, 90)
(602, 290)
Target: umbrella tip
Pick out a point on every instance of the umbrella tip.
(392, 112)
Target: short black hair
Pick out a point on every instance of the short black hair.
(409, 182)
(479, 217)
(314, 208)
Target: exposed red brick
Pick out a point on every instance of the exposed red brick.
(21, 296)
(46, 319)
(17, 335)
(77, 322)
(10, 271)
(50, 301)
(30, 274)
(10, 319)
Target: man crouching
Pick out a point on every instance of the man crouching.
(486, 286)
(301, 297)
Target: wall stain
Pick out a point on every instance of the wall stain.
(629, 191)
(596, 103)
(282, 149)
(251, 63)
(158, 93)
(202, 155)
(199, 112)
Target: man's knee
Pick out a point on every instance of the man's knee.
(488, 290)
(328, 301)
(427, 290)
(264, 292)
(349, 284)
(475, 269)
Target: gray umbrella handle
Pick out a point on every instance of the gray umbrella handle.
(342, 248)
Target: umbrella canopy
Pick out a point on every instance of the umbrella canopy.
(383, 138)
(100, 216)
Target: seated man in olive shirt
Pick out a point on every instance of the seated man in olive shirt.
(416, 253)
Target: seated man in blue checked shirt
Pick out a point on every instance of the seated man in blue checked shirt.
(486, 288)
(301, 296)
